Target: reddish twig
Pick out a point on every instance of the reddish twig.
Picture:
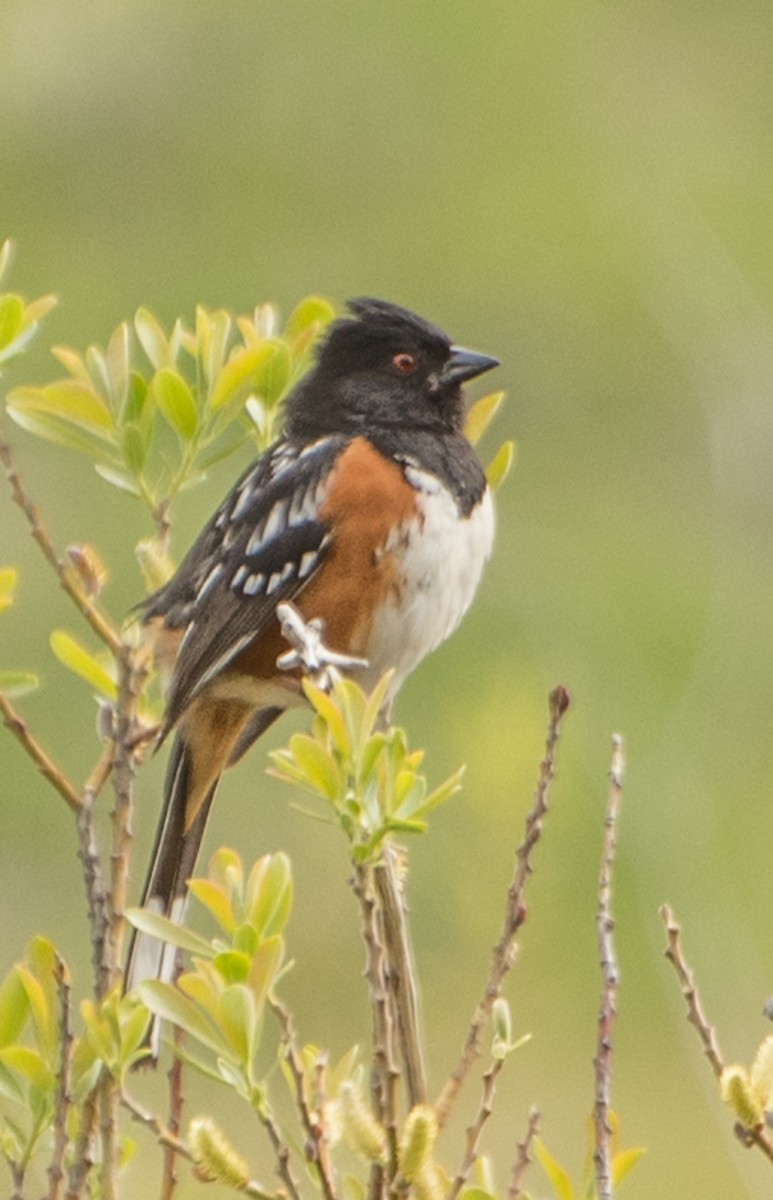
(706, 1033)
(485, 1109)
(520, 1166)
(174, 1125)
(56, 1173)
(315, 1134)
(515, 909)
(83, 1154)
(17, 726)
(602, 1063)
(67, 577)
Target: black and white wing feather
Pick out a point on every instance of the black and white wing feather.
(264, 543)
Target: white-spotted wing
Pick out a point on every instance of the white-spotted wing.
(262, 545)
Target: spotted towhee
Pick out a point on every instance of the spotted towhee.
(371, 512)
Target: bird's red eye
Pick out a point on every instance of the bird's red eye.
(405, 363)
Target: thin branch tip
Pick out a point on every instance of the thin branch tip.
(516, 910)
(560, 699)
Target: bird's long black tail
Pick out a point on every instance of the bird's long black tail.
(172, 863)
(175, 852)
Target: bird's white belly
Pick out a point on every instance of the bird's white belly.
(441, 565)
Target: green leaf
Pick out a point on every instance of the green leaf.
(246, 939)
(137, 409)
(227, 869)
(192, 1061)
(14, 1008)
(118, 360)
(499, 467)
(203, 987)
(36, 310)
(118, 479)
(374, 704)
(272, 378)
(271, 900)
(241, 374)
(232, 965)
(234, 1077)
(8, 579)
(11, 316)
(18, 683)
(78, 660)
(219, 329)
(624, 1161)
(239, 1022)
(501, 1020)
(73, 363)
(133, 1030)
(171, 1005)
(152, 337)
(369, 757)
(134, 448)
(175, 399)
(6, 250)
(98, 372)
(312, 310)
(9, 1088)
(216, 900)
(265, 965)
(443, 792)
(42, 1013)
(319, 767)
(331, 715)
(30, 1064)
(481, 415)
(166, 931)
(42, 960)
(68, 400)
(476, 1193)
(51, 429)
(560, 1181)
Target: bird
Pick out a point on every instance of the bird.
(370, 513)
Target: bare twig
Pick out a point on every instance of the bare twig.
(17, 726)
(164, 1135)
(108, 1136)
(522, 1160)
(68, 578)
(131, 673)
(401, 975)
(375, 973)
(384, 1071)
(83, 1155)
(602, 1063)
(17, 1175)
(474, 1130)
(696, 1017)
(88, 854)
(281, 1152)
(515, 910)
(315, 1133)
(176, 1101)
(56, 1173)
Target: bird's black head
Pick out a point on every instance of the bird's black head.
(383, 367)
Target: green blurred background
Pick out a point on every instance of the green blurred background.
(584, 191)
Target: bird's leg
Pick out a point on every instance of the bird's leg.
(309, 651)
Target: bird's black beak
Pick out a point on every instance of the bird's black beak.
(466, 364)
